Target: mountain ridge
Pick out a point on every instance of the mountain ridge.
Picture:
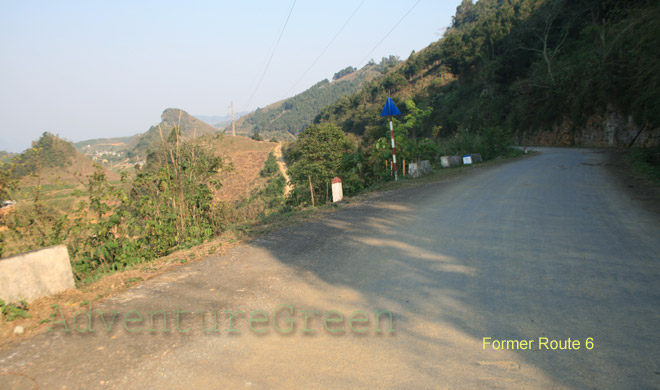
(288, 117)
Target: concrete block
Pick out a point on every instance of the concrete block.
(450, 161)
(418, 169)
(413, 170)
(35, 274)
(444, 161)
(455, 161)
(425, 166)
(476, 158)
(467, 159)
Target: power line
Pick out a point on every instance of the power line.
(271, 55)
(326, 48)
(388, 34)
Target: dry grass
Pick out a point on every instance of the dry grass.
(247, 158)
(58, 185)
(72, 175)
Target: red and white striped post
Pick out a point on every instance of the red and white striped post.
(389, 110)
(396, 177)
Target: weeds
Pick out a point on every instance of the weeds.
(646, 162)
(12, 311)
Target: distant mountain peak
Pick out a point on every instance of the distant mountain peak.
(171, 117)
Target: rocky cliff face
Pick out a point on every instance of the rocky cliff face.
(610, 128)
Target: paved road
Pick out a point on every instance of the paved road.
(547, 246)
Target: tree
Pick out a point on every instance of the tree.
(343, 72)
(415, 118)
(317, 155)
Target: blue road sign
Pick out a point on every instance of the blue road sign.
(390, 108)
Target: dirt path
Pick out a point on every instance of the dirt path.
(542, 247)
(280, 162)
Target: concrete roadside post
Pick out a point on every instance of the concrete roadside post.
(337, 192)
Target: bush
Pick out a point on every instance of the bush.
(270, 166)
(645, 161)
(490, 142)
(317, 156)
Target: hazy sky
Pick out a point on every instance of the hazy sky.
(90, 69)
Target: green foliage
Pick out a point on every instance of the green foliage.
(296, 113)
(270, 166)
(33, 225)
(344, 72)
(646, 162)
(415, 118)
(188, 125)
(317, 155)
(7, 181)
(489, 142)
(5, 157)
(12, 311)
(167, 205)
(263, 201)
(47, 151)
(385, 64)
(522, 65)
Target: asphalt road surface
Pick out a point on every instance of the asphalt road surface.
(484, 275)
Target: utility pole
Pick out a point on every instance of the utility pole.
(233, 126)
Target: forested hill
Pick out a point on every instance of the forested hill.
(291, 116)
(49, 151)
(550, 71)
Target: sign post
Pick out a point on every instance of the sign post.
(389, 110)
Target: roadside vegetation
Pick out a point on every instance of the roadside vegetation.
(646, 162)
(521, 66)
(165, 206)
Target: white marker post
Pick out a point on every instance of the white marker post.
(337, 192)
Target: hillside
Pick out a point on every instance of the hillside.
(57, 167)
(189, 125)
(105, 144)
(548, 71)
(288, 117)
(109, 152)
(245, 157)
(47, 153)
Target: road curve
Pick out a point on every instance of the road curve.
(543, 249)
